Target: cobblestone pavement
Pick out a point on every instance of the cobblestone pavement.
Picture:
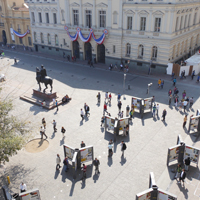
(120, 178)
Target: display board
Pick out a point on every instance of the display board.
(110, 122)
(146, 195)
(69, 151)
(173, 153)
(86, 154)
(30, 195)
(123, 122)
(198, 112)
(163, 195)
(194, 121)
(148, 104)
(136, 103)
(193, 153)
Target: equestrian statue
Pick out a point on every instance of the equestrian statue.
(41, 77)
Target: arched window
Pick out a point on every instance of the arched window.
(140, 51)
(178, 49)
(154, 52)
(128, 49)
(191, 42)
(115, 17)
(182, 48)
(49, 38)
(56, 40)
(174, 52)
(42, 37)
(186, 43)
(35, 36)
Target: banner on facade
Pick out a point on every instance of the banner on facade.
(12, 34)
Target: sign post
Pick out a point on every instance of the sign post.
(74, 164)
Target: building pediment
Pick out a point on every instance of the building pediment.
(75, 5)
(46, 9)
(39, 9)
(87, 5)
(54, 10)
(102, 5)
(178, 12)
(129, 12)
(158, 12)
(143, 12)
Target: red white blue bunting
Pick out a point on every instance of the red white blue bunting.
(88, 38)
(20, 35)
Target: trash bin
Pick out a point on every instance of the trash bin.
(129, 87)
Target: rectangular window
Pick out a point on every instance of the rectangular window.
(54, 18)
(10, 25)
(33, 17)
(143, 23)
(195, 17)
(40, 17)
(47, 18)
(76, 16)
(29, 41)
(20, 41)
(64, 42)
(181, 23)
(102, 19)
(176, 24)
(189, 20)
(157, 24)
(129, 23)
(113, 48)
(88, 14)
(19, 30)
(185, 21)
(35, 37)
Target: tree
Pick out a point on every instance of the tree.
(12, 132)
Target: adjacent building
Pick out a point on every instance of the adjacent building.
(14, 16)
(137, 30)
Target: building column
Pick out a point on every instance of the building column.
(58, 8)
(67, 13)
(80, 14)
(43, 16)
(94, 14)
(109, 15)
(50, 16)
(172, 24)
(165, 24)
(149, 28)
(120, 13)
(136, 20)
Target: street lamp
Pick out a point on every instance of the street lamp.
(149, 85)
(124, 85)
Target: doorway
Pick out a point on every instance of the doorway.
(88, 51)
(76, 49)
(4, 37)
(101, 53)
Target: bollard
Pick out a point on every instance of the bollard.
(8, 179)
(129, 87)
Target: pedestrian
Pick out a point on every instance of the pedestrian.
(178, 171)
(102, 120)
(44, 123)
(184, 121)
(124, 131)
(193, 74)
(105, 108)
(164, 114)
(198, 77)
(131, 114)
(106, 96)
(154, 111)
(157, 109)
(170, 99)
(184, 94)
(162, 84)
(42, 132)
(85, 107)
(54, 126)
(110, 97)
(58, 161)
(96, 163)
(121, 67)
(87, 110)
(191, 102)
(15, 59)
(82, 114)
(98, 97)
(23, 187)
(57, 105)
(82, 144)
(54, 102)
(153, 99)
(127, 129)
(176, 101)
(63, 54)
(182, 176)
(119, 105)
(123, 147)
(110, 149)
(63, 131)
(66, 163)
(174, 82)
(159, 83)
(118, 96)
(173, 75)
(170, 92)
(187, 163)
(127, 110)
(185, 104)
(84, 169)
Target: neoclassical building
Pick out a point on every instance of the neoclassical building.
(137, 30)
(14, 14)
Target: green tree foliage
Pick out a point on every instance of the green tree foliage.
(12, 132)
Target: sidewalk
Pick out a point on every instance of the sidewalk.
(155, 74)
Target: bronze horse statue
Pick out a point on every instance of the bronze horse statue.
(41, 77)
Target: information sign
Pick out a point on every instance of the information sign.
(69, 151)
(123, 123)
(136, 102)
(30, 195)
(110, 122)
(146, 195)
(193, 153)
(148, 103)
(86, 154)
(194, 122)
(173, 153)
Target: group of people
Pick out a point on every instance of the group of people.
(160, 83)
(86, 113)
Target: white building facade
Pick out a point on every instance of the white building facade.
(138, 30)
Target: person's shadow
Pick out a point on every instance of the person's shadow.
(183, 190)
(56, 174)
(110, 161)
(95, 177)
(123, 160)
(53, 135)
(81, 122)
(83, 184)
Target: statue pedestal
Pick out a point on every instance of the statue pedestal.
(45, 96)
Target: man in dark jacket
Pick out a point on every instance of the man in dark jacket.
(119, 105)
(182, 177)
(96, 163)
(164, 114)
(187, 163)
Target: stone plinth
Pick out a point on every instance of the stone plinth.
(45, 96)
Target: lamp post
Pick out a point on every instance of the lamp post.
(149, 85)
(124, 85)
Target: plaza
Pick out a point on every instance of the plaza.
(119, 178)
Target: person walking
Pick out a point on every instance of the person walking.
(131, 114)
(187, 163)
(22, 187)
(66, 163)
(105, 108)
(87, 111)
(63, 131)
(54, 126)
(58, 161)
(82, 144)
(102, 120)
(109, 98)
(15, 59)
(193, 74)
(182, 176)
(106, 96)
(42, 132)
(185, 105)
(157, 109)
(98, 97)
(170, 99)
(123, 147)
(178, 171)
(96, 163)
(127, 110)
(184, 94)
(159, 83)
(84, 169)
(162, 84)
(184, 121)
(118, 96)
(44, 123)
(57, 105)
(176, 101)
(191, 102)
(154, 111)
(173, 75)
(82, 114)
(174, 82)
(164, 115)
(170, 92)
(119, 105)
(110, 149)
(85, 107)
